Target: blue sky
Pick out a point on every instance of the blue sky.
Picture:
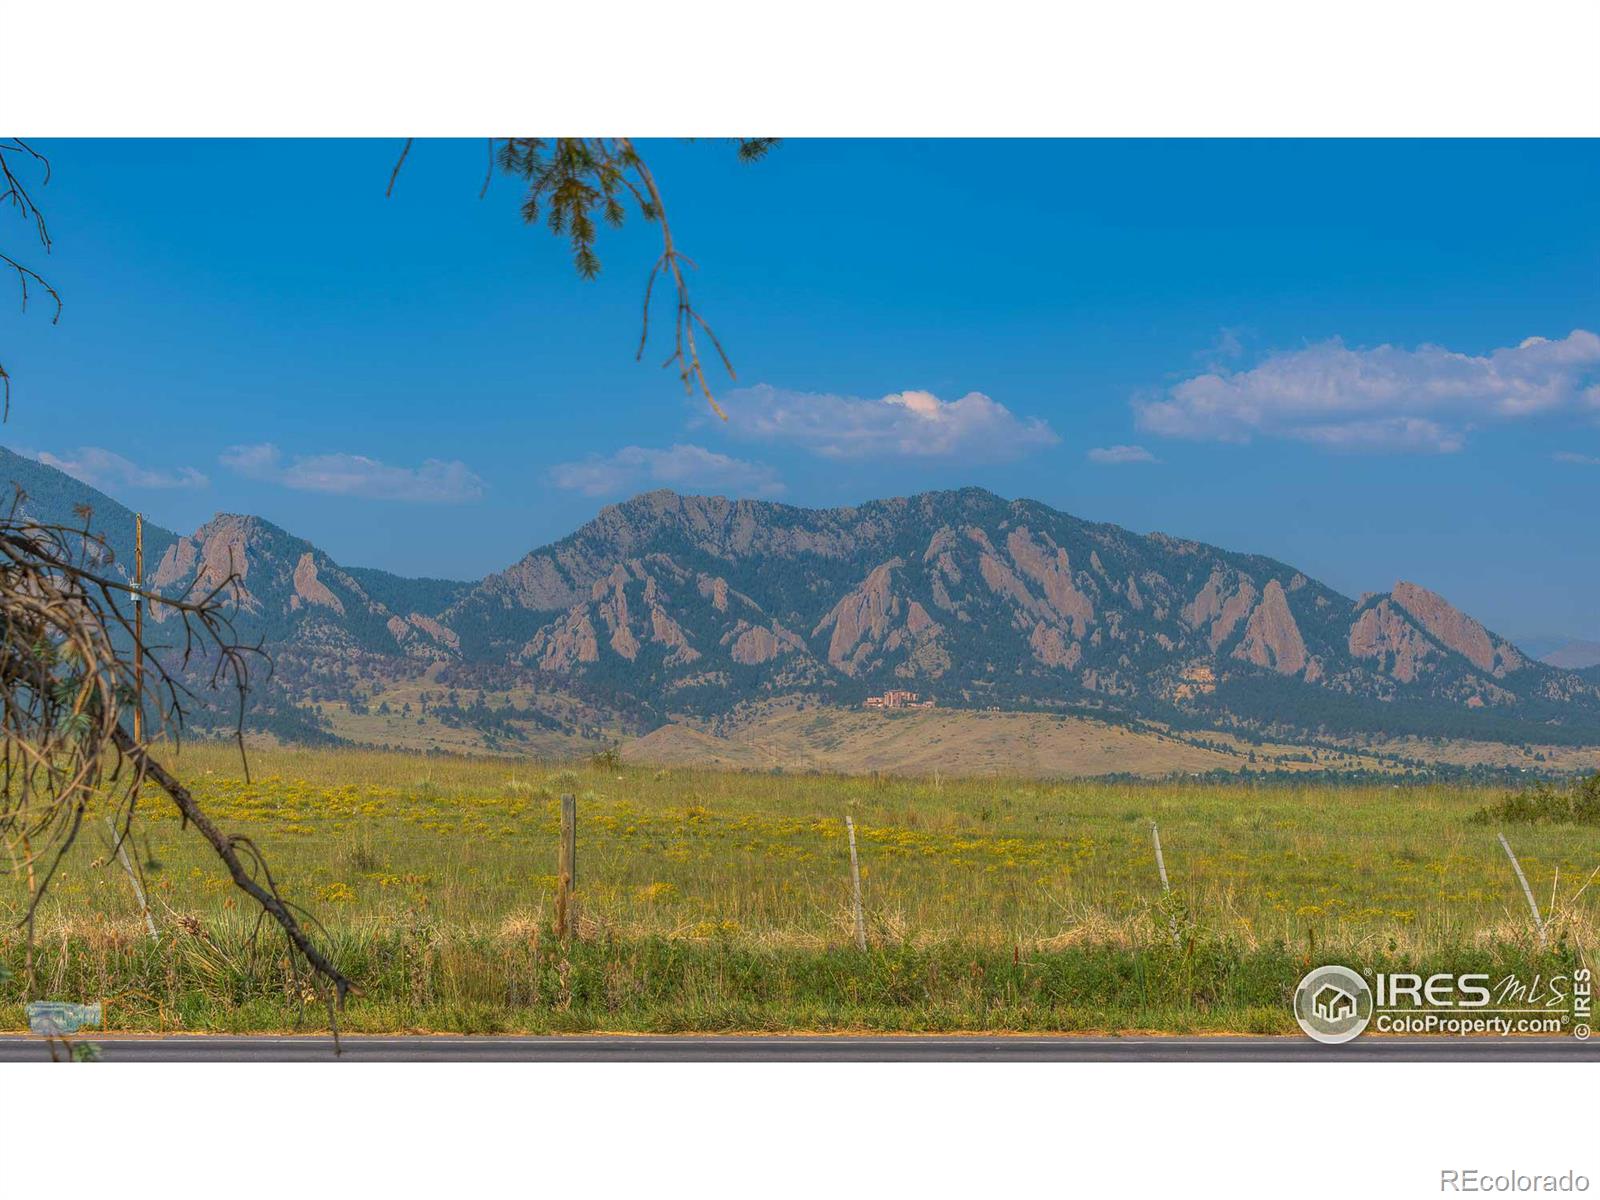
(1314, 350)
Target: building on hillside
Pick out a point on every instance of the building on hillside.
(897, 699)
(1198, 679)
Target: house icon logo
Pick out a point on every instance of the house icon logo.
(1333, 1004)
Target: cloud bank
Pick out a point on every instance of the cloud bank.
(434, 482)
(901, 425)
(1115, 456)
(637, 468)
(1381, 399)
(104, 469)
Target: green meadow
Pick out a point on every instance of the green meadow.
(722, 901)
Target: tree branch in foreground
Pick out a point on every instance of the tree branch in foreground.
(228, 849)
(575, 183)
(69, 685)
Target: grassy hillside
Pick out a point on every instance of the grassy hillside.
(954, 742)
(951, 743)
(54, 496)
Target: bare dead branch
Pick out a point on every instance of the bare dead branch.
(68, 686)
(15, 193)
(398, 163)
(488, 171)
(227, 849)
(71, 673)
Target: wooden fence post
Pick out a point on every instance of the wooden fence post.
(1166, 886)
(119, 841)
(855, 886)
(1538, 921)
(567, 865)
(1161, 863)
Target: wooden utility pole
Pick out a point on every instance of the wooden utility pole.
(855, 886)
(566, 865)
(138, 627)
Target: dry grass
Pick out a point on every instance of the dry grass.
(961, 742)
(433, 876)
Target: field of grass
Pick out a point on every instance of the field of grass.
(965, 742)
(405, 715)
(714, 900)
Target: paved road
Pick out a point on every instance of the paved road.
(216, 1048)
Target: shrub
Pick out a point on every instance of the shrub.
(1575, 803)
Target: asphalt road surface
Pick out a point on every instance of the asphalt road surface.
(366, 1048)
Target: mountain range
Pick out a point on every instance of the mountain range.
(1574, 654)
(691, 608)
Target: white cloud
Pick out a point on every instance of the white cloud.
(1228, 344)
(1583, 460)
(1227, 347)
(102, 468)
(1384, 398)
(1385, 434)
(1118, 455)
(679, 466)
(434, 482)
(905, 424)
(253, 462)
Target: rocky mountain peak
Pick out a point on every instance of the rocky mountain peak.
(1457, 631)
(705, 606)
